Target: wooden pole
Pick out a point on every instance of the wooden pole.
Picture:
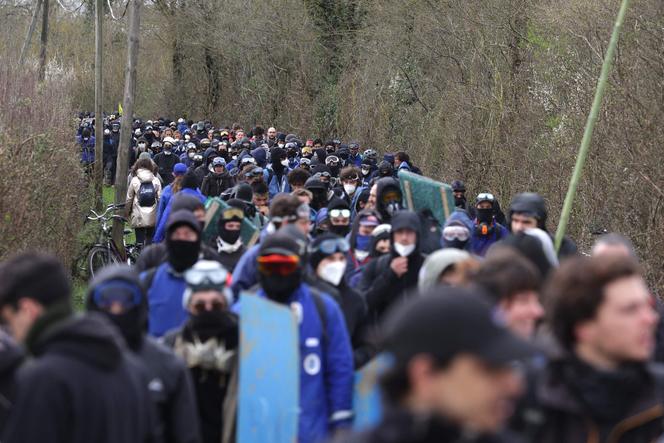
(31, 30)
(127, 116)
(590, 124)
(44, 42)
(98, 170)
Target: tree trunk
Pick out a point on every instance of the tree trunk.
(127, 116)
(98, 170)
(44, 41)
(212, 72)
(31, 30)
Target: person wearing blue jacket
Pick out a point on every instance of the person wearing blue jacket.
(487, 230)
(189, 187)
(165, 284)
(276, 174)
(178, 171)
(457, 231)
(326, 356)
(87, 142)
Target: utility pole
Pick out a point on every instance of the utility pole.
(31, 30)
(127, 116)
(44, 41)
(98, 170)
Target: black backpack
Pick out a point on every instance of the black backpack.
(147, 195)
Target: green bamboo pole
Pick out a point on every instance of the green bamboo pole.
(590, 124)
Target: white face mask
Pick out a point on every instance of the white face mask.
(191, 154)
(187, 137)
(281, 145)
(350, 188)
(404, 250)
(333, 272)
(361, 255)
(284, 162)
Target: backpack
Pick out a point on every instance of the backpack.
(147, 195)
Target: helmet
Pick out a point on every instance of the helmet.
(371, 154)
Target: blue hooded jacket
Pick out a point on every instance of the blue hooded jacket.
(165, 300)
(326, 367)
(459, 217)
(87, 148)
(160, 232)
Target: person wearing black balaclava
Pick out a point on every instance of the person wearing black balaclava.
(277, 178)
(208, 344)
(117, 293)
(388, 198)
(338, 212)
(228, 243)
(166, 283)
(389, 278)
(319, 191)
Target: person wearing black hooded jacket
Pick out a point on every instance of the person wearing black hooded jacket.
(11, 357)
(389, 278)
(82, 384)
(228, 243)
(528, 210)
(117, 293)
(388, 198)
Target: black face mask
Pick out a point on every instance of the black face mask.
(132, 326)
(182, 255)
(457, 244)
(460, 202)
(485, 215)
(340, 230)
(209, 324)
(279, 288)
(320, 200)
(334, 170)
(228, 236)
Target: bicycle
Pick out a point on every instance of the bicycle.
(105, 251)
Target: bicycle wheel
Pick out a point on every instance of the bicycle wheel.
(99, 257)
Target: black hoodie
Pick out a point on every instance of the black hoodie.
(11, 357)
(384, 185)
(82, 386)
(380, 285)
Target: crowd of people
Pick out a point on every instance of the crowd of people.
(494, 336)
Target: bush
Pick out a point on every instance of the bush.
(43, 191)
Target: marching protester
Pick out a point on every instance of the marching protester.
(491, 335)
(81, 384)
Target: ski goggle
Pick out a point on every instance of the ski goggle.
(277, 264)
(339, 213)
(305, 162)
(232, 213)
(256, 172)
(122, 292)
(331, 246)
(485, 197)
(332, 160)
(207, 277)
(460, 233)
(324, 174)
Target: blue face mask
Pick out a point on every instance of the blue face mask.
(362, 242)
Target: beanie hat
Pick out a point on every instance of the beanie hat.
(180, 218)
(184, 201)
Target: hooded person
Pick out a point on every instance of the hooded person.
(528, 210)
(208, 344)
(218, 180)
(228, 242)
(388, 198)
(117, 293)
(319, 190)
(11, 357)
(487, 230)
(385, 169)
(276, 174)
(189, 187)
(142, 199)
(166, 160)
(360, 238)
(327, 255)
(260, 155)
(389, 278)
(457, 231)
(338, 212)
(326, 374)
(82, 385)
(166, 283)
(437, 264)
(202, 170)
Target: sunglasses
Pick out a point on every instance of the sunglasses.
(125, 294)
(331, 246)
(277, 264)
(211, 306)
(336, 213)
(452, 233)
